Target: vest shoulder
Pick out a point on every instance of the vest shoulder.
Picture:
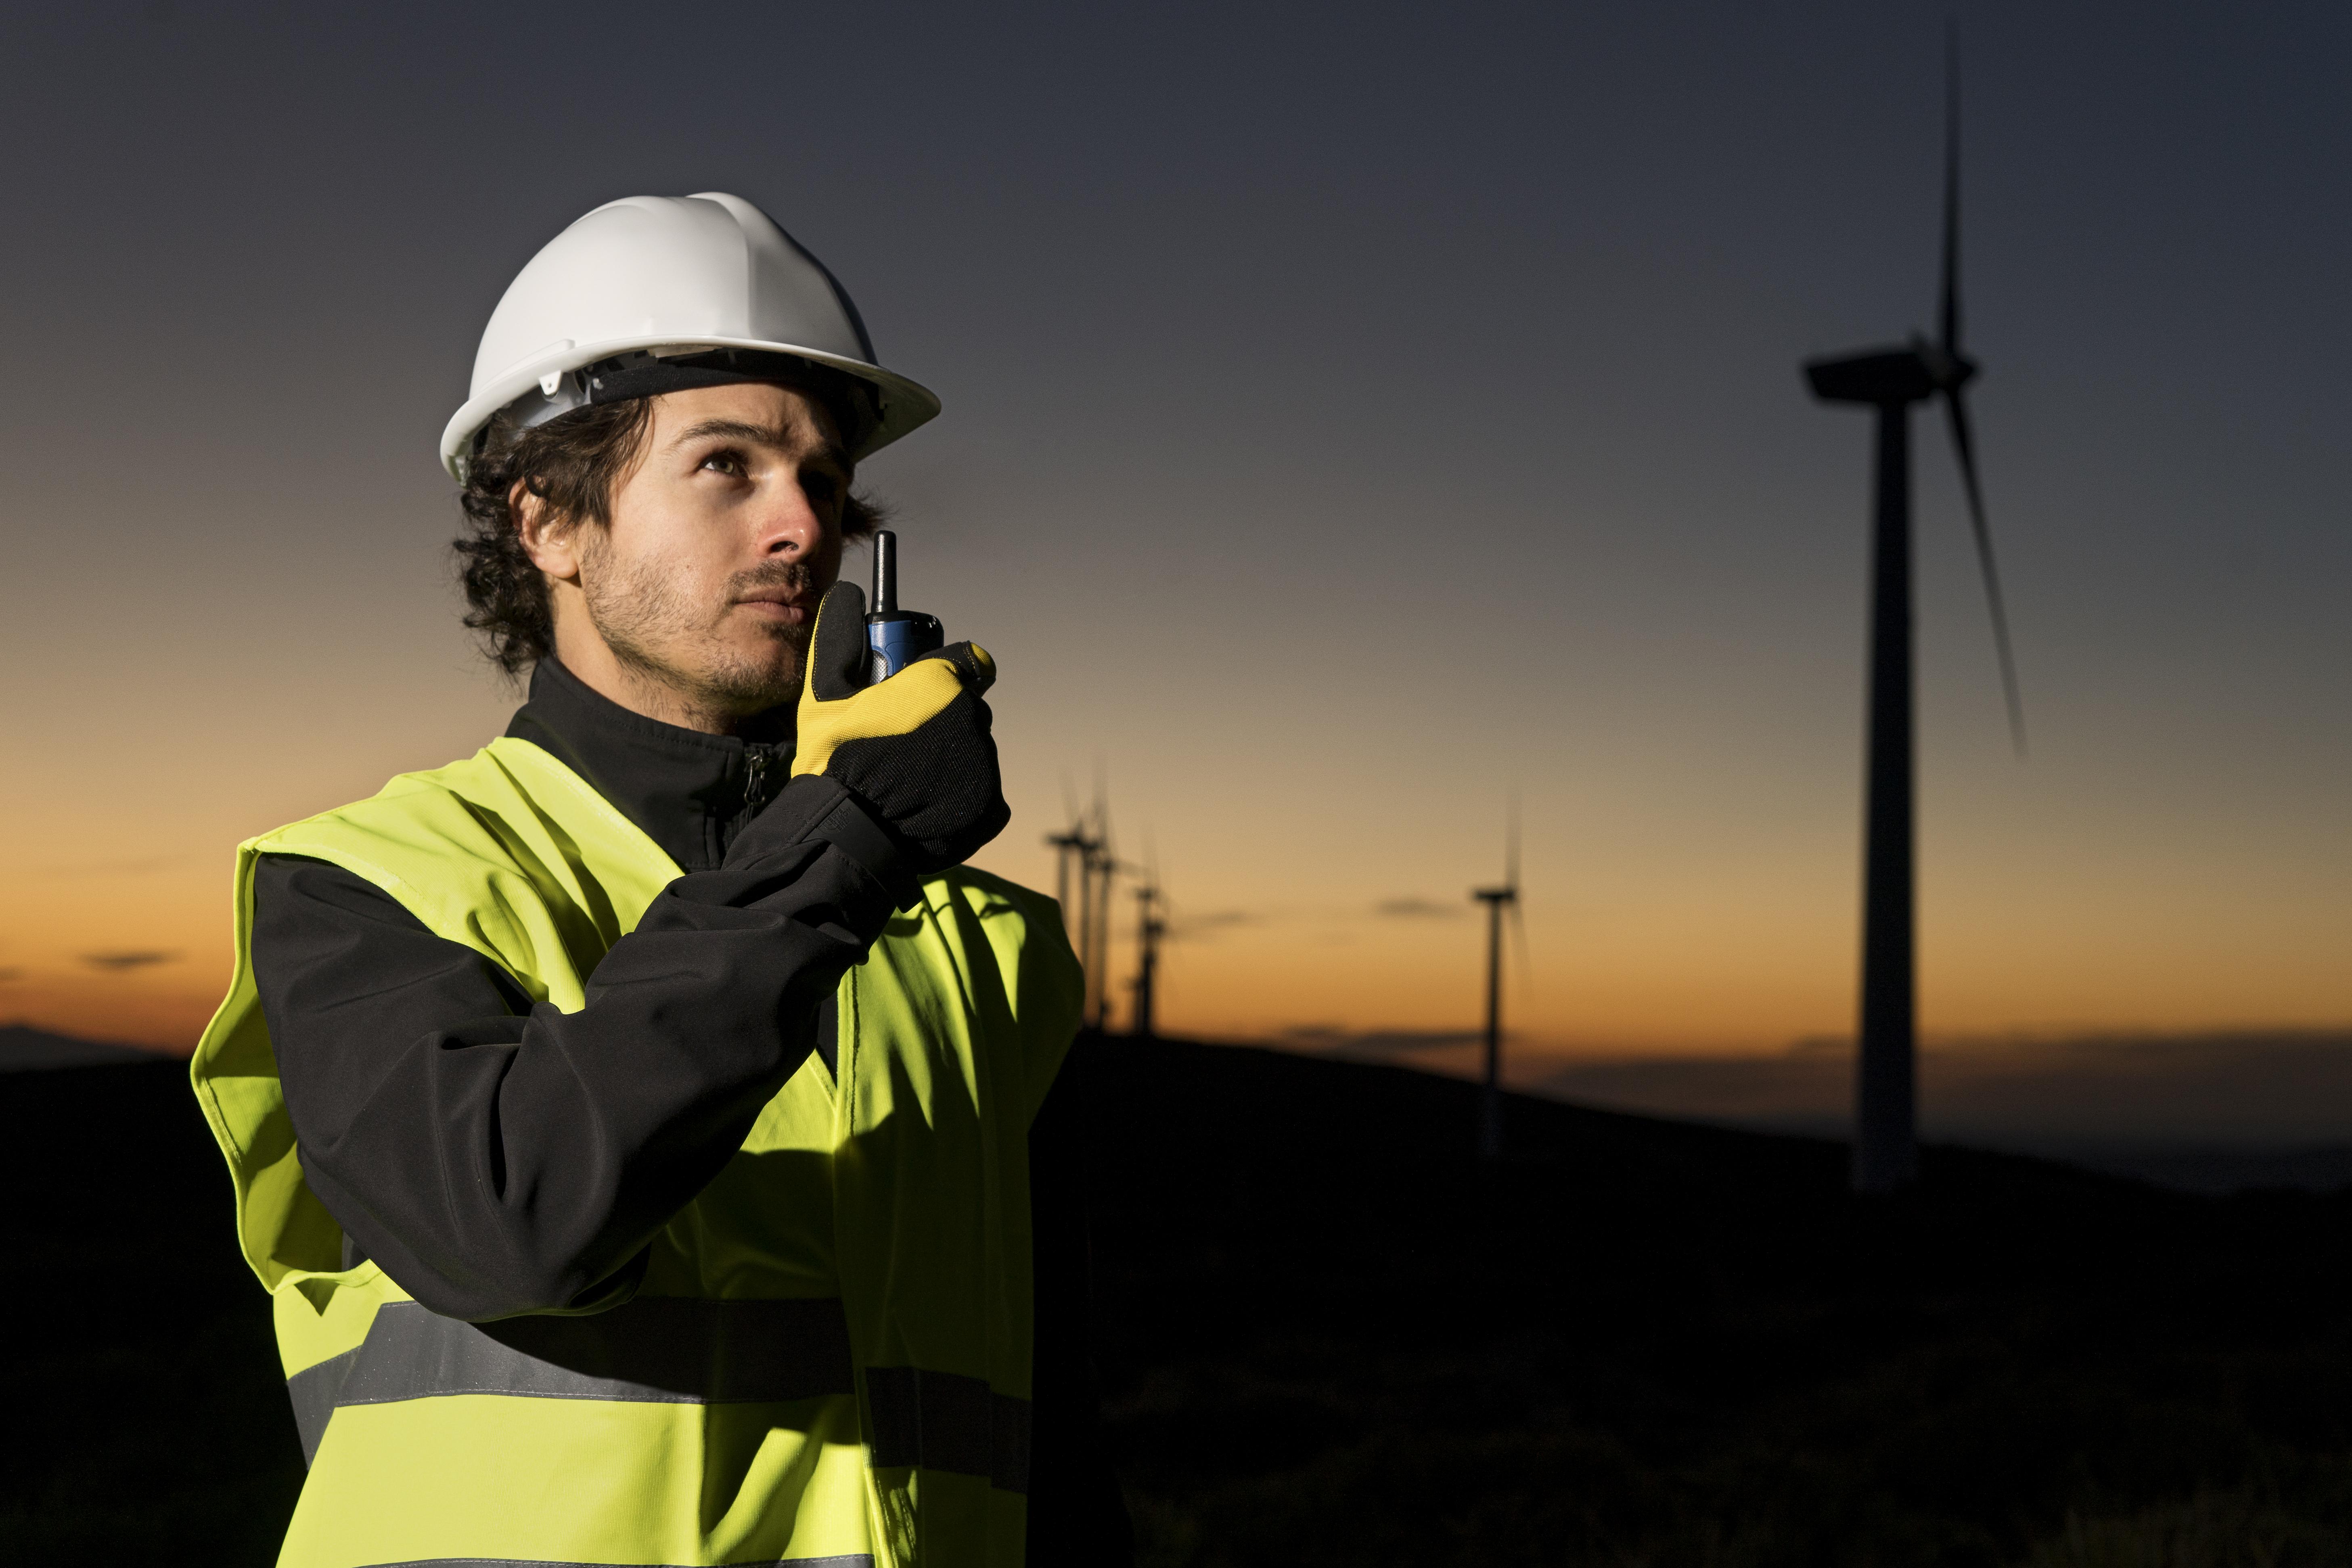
(507, 822)
(490, 806)
(445, 802)
(991, 897)
(1023, 926)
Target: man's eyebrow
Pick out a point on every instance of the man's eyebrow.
(755, 435)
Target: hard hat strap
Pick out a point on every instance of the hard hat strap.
(854, 403)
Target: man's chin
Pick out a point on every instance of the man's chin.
(747, 687)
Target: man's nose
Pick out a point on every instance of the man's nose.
(789, 525)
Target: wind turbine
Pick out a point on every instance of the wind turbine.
(1497, 900)
(1087, 841)
(1889, 381)
(1099, 865)
(1073, 840)
(1150, 927)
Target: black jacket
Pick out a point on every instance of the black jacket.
(499, 1158)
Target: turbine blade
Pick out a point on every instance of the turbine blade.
(1519, 951)
(1511, 841)
(1948, 315)
(1070, 802)
(1955, 409)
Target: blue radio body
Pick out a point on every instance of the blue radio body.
(896, 639)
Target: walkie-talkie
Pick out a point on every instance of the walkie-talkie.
(894, 638)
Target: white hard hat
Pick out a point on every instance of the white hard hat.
(652, 293)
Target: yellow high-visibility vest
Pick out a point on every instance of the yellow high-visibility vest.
(827, 1361)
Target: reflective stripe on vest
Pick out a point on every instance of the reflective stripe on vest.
(827, 1360)
(675, 1352)
(858, 1559)
(665, 1350)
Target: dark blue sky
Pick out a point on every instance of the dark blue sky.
(1350, 410)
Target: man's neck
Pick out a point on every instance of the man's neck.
(689, 790)
(592, 660)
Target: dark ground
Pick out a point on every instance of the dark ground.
(1327, 1339)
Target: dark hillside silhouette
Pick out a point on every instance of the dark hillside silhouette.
(24, 1048)
(148, 1419)
(1327, 1338)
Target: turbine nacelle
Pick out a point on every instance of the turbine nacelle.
(1880, 377)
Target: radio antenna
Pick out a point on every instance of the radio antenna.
(886, 573)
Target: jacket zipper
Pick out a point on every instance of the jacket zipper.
(755, 765)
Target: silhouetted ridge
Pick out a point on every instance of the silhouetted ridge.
(23, 1047)
(1328, 1338)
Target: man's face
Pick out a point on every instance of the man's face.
(723, 537)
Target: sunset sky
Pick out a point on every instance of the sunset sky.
(1353, 414)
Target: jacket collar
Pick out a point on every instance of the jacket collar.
(691, 792)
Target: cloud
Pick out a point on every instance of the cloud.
(140, 866)
(119, 962)
(1336, 1041)
(1822, 1046)
(1193, 927)
(2241, 1088)
(1418, 909)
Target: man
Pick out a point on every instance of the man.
(642, 1126)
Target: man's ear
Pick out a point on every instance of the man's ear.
(552, 542)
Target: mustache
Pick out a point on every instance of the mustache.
(792, 576)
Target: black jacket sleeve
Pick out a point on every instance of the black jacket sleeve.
(497, 1158)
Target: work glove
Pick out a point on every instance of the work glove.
(915, 748)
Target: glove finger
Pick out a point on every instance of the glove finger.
(973, 665)
(836, 657)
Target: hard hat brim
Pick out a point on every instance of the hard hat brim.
(906, 405)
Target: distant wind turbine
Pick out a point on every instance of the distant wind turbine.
(1086, 843)
(1151, 929)
(1100, 865)
(1498, 901)
(1073, 842)
(1889, 381)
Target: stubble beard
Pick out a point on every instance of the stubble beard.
(655, 629)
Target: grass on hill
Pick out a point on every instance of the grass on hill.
(1327, 1338)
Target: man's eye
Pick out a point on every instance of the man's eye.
(724, 463)
(821, 486)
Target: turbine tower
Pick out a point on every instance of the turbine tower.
(1497, 900)
(1074, 841)
(1889, 381)
(1099, 865)
(1087, 841)
(1151, 928)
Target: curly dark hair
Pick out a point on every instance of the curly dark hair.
(571, 463)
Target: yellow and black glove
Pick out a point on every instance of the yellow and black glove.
(915, 748)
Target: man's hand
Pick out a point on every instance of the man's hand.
(915, 748)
